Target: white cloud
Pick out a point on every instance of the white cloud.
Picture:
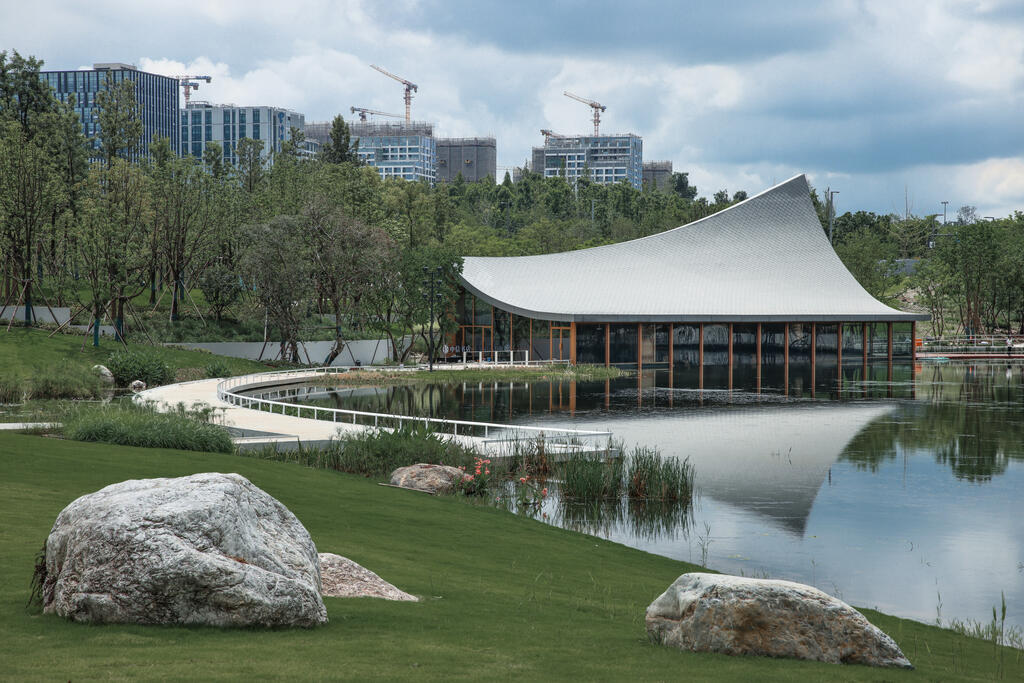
(901, 94)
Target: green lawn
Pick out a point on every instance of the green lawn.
(33, 348)
(503, 596)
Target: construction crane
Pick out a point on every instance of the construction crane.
(363, 112)
(190, 83)
(549, 134)
(596, 106)
(409, 88)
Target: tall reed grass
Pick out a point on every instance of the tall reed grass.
(377, 453)
(127, 424)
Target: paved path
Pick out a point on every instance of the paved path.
(271, 428)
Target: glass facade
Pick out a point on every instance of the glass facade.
(802, 356)
(156, 95)
(590, 341)
(271, 125)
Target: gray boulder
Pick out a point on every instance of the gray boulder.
(343, 578)
(739, 616)
(106, 376)
(429, 478)
(137, 386)
(205, 549)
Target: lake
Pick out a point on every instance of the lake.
(893, 487)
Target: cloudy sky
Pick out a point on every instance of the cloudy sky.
(891, 102)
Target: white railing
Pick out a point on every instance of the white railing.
(977, 344)
(227, 391)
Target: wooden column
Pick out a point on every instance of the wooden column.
(913, 345)
(759, 358)
(785, 352)
(864, 341)
(639, 347)
(607, 345)
(889, 334)
(671, 348)
(839, 347)
(839, 357)
(572, 344)
(551, 341)
(730, 356)
(814, 356)
(700, 356)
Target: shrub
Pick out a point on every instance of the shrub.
(127, 424)
(130, 365)
(218, 368)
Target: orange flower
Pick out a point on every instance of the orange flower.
(544, 492)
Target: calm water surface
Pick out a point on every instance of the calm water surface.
(898, 489)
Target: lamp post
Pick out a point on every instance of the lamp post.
(432, 280)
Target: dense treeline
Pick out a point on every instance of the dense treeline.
(967, 273)
(299, 244)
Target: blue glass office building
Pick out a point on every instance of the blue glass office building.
(226, 124)
(157, 97)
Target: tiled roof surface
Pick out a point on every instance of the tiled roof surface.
(764, 259)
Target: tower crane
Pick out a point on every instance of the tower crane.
(596, 106)
(410, 87)
(190, 83)
(363, 112)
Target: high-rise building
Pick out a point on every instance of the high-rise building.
(657, 175)
(397, 150)
(607, 159)
(157, 97)
(226, 124)
(474, 158)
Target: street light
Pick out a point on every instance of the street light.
(432, 280)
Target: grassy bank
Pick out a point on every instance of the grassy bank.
(503, 596)
(442, 375)
(32, 351)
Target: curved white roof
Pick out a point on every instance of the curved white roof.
(764, 259)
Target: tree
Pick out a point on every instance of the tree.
(24, 96)
(680, 184)
(250, 164)
(113, 238)
(401, 304)
(119, 120)
(213, 159)
(182, 216)
(29, 192)
(340, 149)
(278, 267)
(349, 259)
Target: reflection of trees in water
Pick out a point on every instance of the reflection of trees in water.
(970, 420)
(648, 520)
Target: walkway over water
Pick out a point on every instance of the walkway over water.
(259, 421)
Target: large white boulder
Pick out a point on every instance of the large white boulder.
(343, 578)
(741, 616)
(205, 549)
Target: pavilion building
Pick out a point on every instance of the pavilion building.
(757, 283)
